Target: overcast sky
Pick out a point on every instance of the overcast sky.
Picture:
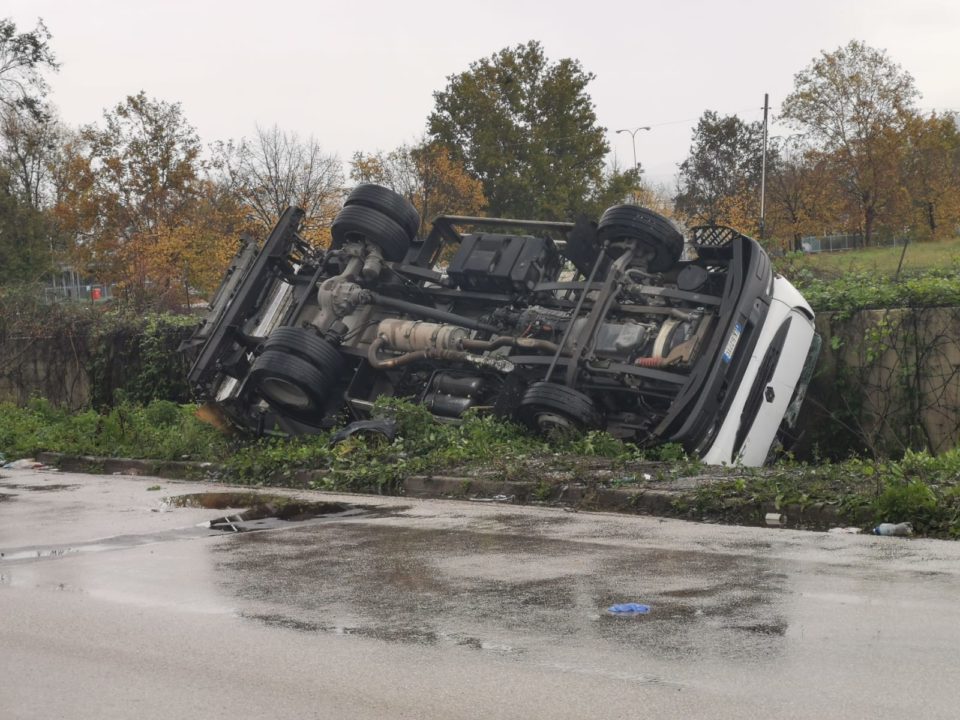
(360, 75)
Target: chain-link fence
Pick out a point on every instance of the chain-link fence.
(83, 293)
(70, 285)
(838, 243)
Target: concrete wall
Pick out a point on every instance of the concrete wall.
(44, 367)
(887, 380)
(77, 369)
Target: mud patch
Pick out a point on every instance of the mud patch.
(778, 628)
(40, 488)
(526, 523)
(409, 635)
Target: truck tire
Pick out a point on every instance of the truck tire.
(654, 232)
(393, 205)
(291, 385)
(357, 222)
(547, 407)
(306, 344)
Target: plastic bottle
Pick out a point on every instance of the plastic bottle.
(903, 528)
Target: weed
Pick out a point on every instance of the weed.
(921, 488)
(913, 502)
(542, 491)
(167, 432)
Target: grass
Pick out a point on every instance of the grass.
(849, 281)
(882, 261)
(161, 430)
(919, 488)
(166, 431)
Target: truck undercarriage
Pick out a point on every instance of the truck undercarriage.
(556, 325)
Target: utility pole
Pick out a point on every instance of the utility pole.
(763, 166)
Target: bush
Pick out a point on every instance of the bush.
(861, 290)
(913, 502)
(124, 354)
(161, 430)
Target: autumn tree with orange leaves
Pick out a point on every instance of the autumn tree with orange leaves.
(133, 196)
(931, 172)
(855, 103)
(427, 175)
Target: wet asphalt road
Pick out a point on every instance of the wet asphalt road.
(114, 604)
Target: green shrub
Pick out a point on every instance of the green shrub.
(913, 502)
(161, 430)
(862, 290)
(162, 413)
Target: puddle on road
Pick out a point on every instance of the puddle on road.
(254, 512)
(434, 587)
(258, 511)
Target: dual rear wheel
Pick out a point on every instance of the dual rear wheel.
(297, 369)
(296, 372)
(378, 216)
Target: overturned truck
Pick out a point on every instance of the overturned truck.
(587, 325)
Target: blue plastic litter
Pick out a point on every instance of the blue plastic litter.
(628, 609)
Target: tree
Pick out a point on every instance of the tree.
(526, 128)
(27, 127)
(146, 163)
(278, 169)
(855, 104)
(720, 179)
(443, 186)
(931, 174)
(22, 58)
(134, 196)
(618, 186)
(427, 175)
(24, 231)
(191, 255)
(126, 183)
(658, 198)
(28, 149)
(802, 193)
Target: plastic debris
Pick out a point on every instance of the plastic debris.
(385, 428)
(775, 519)
(234, 523)
(25, 464)
(901, 529)
(845, 530)
(628, 609)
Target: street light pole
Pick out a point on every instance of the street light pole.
(633, 140)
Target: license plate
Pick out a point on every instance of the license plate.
(732, 343)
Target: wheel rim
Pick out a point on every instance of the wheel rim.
(548, 422)
(279, 391)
